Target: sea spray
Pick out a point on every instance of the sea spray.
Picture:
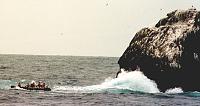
(174, 90)
(126, 82)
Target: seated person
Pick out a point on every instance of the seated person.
(39, 84)
(33, 84)
(27, 86)
(19, 85)
(43, 85)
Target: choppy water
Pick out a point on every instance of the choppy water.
(82, 81)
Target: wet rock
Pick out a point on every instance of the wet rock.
(169, 52)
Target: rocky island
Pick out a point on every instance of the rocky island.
(168, 53)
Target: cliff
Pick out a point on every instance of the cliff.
(169, 52)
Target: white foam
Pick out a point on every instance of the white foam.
(23, 80)
(5, 84)
(132, 81)
(174, 90)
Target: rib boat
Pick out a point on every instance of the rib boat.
(31, 88)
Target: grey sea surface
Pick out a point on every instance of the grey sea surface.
(73, 76)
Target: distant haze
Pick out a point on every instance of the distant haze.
(78, 27)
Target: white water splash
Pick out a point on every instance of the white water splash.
(174, 91)
(5, 84)
(126, 82)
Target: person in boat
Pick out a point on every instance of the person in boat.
(43, 85)
(39, 84)
(33, 84)
(19, 84)
(27, 86)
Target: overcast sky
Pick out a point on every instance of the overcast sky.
(78, 27)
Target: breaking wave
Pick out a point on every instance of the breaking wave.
(126, 82)
(174, 91)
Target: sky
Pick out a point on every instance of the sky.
(78, 27)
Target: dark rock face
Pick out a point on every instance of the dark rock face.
(169, 52)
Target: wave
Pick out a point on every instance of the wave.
(126, 82)
(174, 90)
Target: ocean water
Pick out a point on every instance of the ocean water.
(83, 81)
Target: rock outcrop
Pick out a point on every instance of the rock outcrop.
(169, 52)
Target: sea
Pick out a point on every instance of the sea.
(82, 81)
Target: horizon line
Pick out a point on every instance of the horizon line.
(54, 55)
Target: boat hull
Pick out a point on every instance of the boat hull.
(25, 88)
